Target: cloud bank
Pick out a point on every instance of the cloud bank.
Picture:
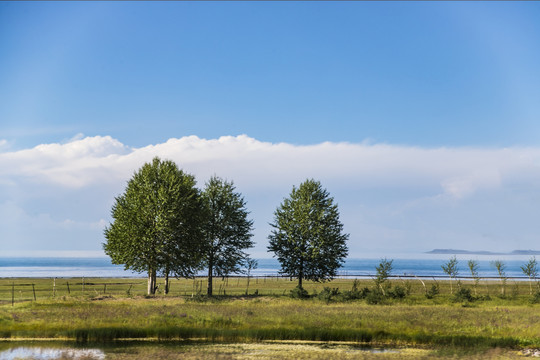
(457, 172)
(382, 189)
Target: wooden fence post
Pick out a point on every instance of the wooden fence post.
(69, 291)
(12, 294)
(34, 291)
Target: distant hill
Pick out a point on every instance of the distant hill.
(482, 252)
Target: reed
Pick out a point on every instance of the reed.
(413, 321)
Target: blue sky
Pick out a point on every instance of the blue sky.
(421, 118)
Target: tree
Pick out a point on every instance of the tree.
(307, 236)
(501, 270)
(227, 229)
(473, 268)
(251, 264)
(451, 269)
(531, 270)
(156, 227)
(384, 270)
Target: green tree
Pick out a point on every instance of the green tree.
(473, 268)
(307, 236)
(451, 269)
(501, 270)
(531, 270)
(251, 264)
(227, 229)
(384, 270)
(157, 224)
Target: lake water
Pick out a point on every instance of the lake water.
(420, 265)
(48, 353)
(59, 351)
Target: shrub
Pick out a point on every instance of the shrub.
(355, 293)
(535, 299)
(299, 293)
(463, 295)
(375, 297)
(328, 294)
(430, 294)
(397, 292)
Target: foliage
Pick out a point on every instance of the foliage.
(383, 272)
(329, 294)
(463, 295)
(299, 293)
(501, 270)
(227, 229)
(307, 236)
(531, 271)
(397, 292)
(251, 264)
(434, 290)
(156, 227)
(535, 299)
(451, 269)
(356, 293)
(375, 297)
(473, 268)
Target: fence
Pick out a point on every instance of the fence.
(13, 291)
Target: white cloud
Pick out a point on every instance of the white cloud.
(458, 172)
(391, 196)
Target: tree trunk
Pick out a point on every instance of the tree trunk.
(300, 274)
(151, 281)
(210, 275)
(166, 282)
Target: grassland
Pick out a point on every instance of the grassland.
(108, 310)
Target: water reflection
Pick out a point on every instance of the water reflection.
(39, 353)
(192, 350)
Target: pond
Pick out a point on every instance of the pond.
(44, 353)
(185, 350)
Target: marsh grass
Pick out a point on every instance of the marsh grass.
(488, 322)
(255, 319)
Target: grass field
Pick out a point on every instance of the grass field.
(25, 289)
(108, 310)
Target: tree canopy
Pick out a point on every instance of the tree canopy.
(227, 229)
(157, 223)
(307, 236)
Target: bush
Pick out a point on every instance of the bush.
(375, 297)
(328, 294)
(463, 295)
(535, 299)
(299, 293)
(430, 294)
(355, 293)
(397, 292)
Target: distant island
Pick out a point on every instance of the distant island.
(482, 252)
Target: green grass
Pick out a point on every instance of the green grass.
(111, 314)
(24, 289)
